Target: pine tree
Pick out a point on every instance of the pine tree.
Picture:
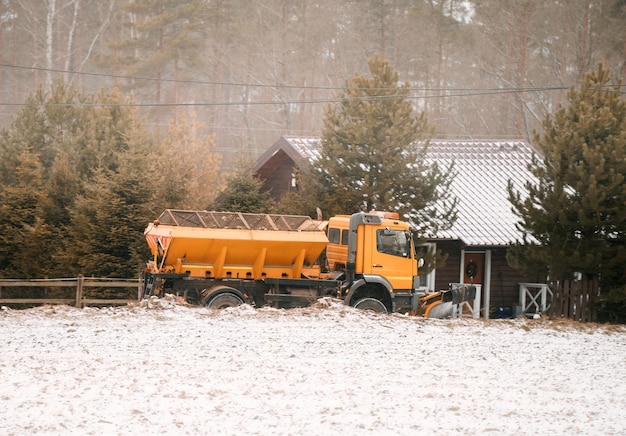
(243, 192)
(372, 154)
(62, 187)
(43, 126)
(188, 167)
(86, 130)
(24, 234)
(105, 238)
(573, 216)
(165, 37)
(66, 151)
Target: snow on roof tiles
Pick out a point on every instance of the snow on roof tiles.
(483, 170)
(307, 147)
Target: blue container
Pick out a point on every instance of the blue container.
(503, 312)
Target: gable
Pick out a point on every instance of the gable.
(277, 174)
(296, 147)
(277, 166)
(280, 161)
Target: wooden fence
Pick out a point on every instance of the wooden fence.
(79, 284)
(574, 300)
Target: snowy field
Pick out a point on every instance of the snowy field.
(165, 368)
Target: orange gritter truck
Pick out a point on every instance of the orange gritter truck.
(224, 259)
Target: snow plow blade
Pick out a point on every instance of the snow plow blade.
(442, 304)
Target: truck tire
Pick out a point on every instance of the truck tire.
(222, 301)
(370, 304)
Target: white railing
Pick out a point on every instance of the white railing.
(534, 297)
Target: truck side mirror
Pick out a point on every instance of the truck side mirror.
(420, 262)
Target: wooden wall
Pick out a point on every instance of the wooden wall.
(452, 269)
(504, 280)
(276, 174)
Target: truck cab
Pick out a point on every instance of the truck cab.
(376, 252)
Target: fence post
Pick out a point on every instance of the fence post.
(79, 291)
(593, 289)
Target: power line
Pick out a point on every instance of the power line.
(156, 79)
(285, 102)
(429, 93)
(276, 86)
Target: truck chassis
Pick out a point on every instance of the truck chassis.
(221, 293)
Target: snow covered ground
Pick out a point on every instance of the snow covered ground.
(165, 368)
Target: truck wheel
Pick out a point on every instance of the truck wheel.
(223, 301)
(371, 304)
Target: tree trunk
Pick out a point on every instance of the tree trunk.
(69, 56)
(50, 40)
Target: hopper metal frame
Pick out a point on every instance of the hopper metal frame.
(237, 220)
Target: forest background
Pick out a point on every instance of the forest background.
(114, 110)
(253, 70)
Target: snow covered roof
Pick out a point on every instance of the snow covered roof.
(483, 170)
(307, 147)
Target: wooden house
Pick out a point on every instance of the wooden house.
(486, 226)
(278, 165)
(477, 243)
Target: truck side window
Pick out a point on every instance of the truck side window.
(333, 236)
(392, 242)
(344, 236)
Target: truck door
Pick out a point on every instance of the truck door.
(391, 256)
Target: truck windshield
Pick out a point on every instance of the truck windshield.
(394, 242)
